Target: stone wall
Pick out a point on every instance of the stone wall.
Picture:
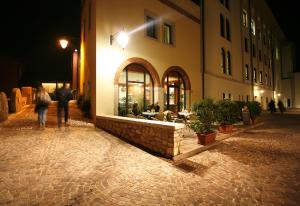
(27, 92)
(16, 100)
(161, 137)
(3, 107)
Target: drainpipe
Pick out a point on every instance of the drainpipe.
(203, 48)
(250, 50)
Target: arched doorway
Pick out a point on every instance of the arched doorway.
(175, 84)
(135, 86)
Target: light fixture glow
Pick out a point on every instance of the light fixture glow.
(122, 39)
(278, 94)
(262, 91)
(63, 43)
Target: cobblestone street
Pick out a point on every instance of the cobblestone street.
(81, 165)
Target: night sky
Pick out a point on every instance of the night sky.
(30, 29)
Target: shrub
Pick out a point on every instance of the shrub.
(254, 109)
(227, 112)
(240, 105)
(204, 111)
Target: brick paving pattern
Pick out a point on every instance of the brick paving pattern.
(80, 165)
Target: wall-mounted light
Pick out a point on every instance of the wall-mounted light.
(121, 37)
(278, 94)
(262, 91)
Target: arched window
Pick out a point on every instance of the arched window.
(135, 86)
(223, 65)
(174, 92)
(222, 26)
(227, 30)
(228, 63)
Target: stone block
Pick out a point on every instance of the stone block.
(16, 100)
(3, 107)
(27, 92)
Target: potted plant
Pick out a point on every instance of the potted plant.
(254, 110)
(227, 113)
(202, 124)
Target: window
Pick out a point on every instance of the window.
(135, 86)
(222, 26)
(222, 1)
(259, 55)
(260, 77)
(277, 53)
(265, 59)
(266, 78)
(174, 92)
(223, 68)
(253, 26)
(246, 72)
(227, 30)
(151, 30)
(227, 4)
(229, 96)
(253, 50)
(224, 96)
(246, 44)
(247, 98)
(168, 33)
(254, 75)
(245, 18)
(228, 63)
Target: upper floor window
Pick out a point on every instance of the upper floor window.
(227, 30)
(228, 63)
(259, 55)
(254, 75)
(246, 44)
(260, 77)
(227, 4)
(245, 18)
(277, 53)
(266, 78)
(222, 26)
(253, 26)
(246, 72)
(151, 30)
(168, 33)
(223, 68)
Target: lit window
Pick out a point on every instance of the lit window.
(245, 18)
(246, 72)
(151, 30)
(260, 77)
(253, 26)
(254, 75)
(168, 33)
(277, 53)
(228, 63)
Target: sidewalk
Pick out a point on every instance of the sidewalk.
(189, 146)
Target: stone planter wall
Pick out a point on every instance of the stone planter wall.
(3, 107)
(161, 137)
(27, 92)
(16, 100)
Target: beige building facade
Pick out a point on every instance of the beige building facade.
(179, 52)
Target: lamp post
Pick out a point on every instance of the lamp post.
(64, 44)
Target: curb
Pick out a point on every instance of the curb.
(217, 142)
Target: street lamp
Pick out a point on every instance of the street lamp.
(64, 44)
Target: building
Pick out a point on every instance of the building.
(179, 52)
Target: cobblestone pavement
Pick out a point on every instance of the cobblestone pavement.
(78, 165)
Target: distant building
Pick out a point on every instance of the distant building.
(10, 74)
(181, 51)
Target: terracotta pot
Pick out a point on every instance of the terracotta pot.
(205, 139)
(226, 128)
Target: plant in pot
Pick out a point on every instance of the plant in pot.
(227, 113)
(203, 124)
(254, 110)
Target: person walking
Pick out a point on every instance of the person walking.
(63, 96)
(42, 101)
(280, 106)
(272, 106)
